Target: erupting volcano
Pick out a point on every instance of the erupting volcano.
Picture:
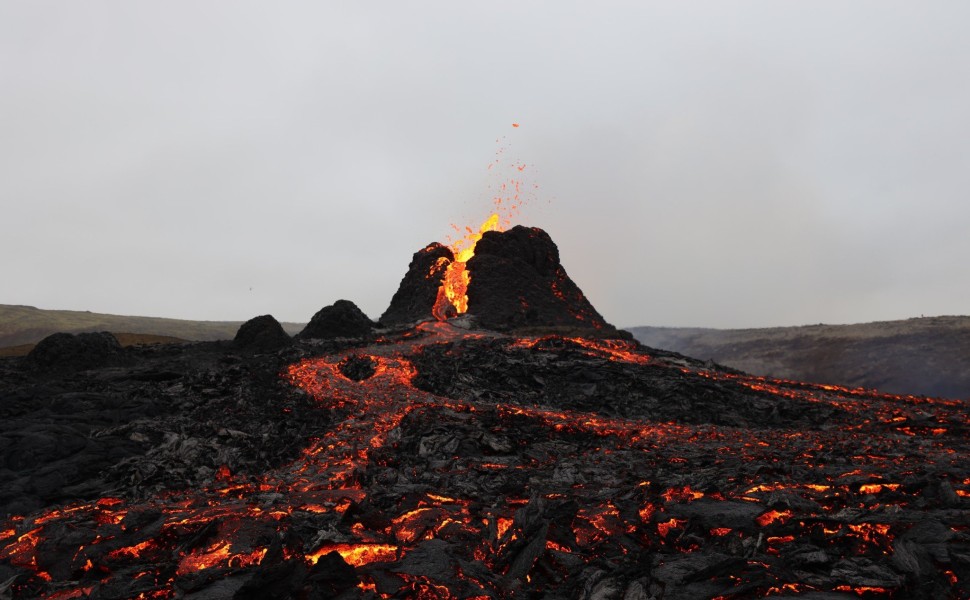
(527, 449)
(503, 280)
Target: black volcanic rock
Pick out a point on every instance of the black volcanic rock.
(517, 281)
(416, 295)
(358, 367)
(76, 351)
(165, 416)
(263, 333)
(340, 319)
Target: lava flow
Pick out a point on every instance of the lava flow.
(452, 297)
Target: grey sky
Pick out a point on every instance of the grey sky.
(721, 164)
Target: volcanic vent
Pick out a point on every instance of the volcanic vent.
(504, 280)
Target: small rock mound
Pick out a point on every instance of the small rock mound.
(263, 333)
(340, 319)
(416, 295)
(76, 351)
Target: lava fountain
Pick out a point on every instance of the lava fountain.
(452, 297)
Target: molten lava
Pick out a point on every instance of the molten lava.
(453, 294)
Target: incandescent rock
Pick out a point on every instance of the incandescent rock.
(517, 281)
(416, 295)
(341, 319)
(263, 333)
(76, 351)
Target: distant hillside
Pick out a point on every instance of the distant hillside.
(27, 325)
(926, 356)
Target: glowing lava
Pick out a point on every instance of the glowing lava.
(453, 294)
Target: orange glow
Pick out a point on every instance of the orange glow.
(773, 515)
(357, 555)
(684, 494)
(21, 552)
(452, 297)
(876, 488)
(664, 528)
(781, 539)
(597, 523)
(551, 545)
(412, 525)
(873, 532)
(788, 587)
(503, 526)
(218, 554)
(862, 589)
(203, 560)
(132, 551)
(646, 512)
(453, 294)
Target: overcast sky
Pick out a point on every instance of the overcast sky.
(723, 164)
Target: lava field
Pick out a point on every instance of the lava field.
(442, 462)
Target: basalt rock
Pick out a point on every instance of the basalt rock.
(339, 320)
(416, 295)
(68, 351)
(518, 281)
(261, 334)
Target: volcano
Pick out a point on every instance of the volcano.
(495, 439)
(514, 281)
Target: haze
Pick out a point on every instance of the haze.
(723, 164)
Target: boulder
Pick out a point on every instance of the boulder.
(70, 351)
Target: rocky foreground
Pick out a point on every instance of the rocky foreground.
(441, 462)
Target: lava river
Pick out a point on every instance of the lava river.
(435, 484)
